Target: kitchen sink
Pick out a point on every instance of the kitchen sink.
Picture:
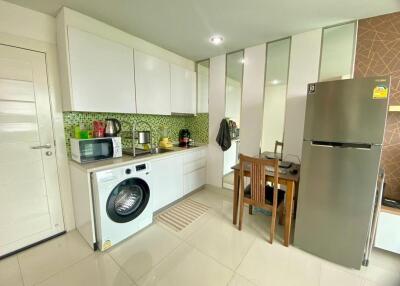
(160, 151)
(140, 152)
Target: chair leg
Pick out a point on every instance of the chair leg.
(250, 209)
(241, 206)
(281, 215)
(273, 222)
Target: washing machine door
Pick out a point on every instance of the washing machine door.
(128, 200)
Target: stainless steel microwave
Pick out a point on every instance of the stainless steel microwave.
(88, 150)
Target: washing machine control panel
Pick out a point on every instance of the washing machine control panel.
(140, 167)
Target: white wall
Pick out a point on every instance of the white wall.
(216, 107)
(303, 69)
(19, 21)
(252, 99)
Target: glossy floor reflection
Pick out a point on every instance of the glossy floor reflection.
(211, 251)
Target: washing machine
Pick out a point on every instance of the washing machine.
(123, 202)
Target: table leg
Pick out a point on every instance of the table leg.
(288, 212)
(235, 196)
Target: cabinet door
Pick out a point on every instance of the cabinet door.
(183, 90)
(153, 85)
(167, 176)
(102, 74)
(194, 180)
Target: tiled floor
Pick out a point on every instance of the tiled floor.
(209, 252)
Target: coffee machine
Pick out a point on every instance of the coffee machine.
(184, 138)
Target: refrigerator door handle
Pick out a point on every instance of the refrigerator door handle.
(362, 146)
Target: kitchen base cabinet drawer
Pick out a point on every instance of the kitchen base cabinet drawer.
(194, 156)
(194, 180)
(388, 232)
(193, 166)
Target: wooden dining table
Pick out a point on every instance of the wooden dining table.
(287, 177)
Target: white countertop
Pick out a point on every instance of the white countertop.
(126, 159)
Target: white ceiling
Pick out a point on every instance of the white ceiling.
(184, 26)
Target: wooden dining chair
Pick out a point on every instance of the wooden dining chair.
(258, 194)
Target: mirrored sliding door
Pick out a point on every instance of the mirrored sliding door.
(276, 77)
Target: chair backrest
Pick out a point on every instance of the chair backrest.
(278, 144)
(257, 169)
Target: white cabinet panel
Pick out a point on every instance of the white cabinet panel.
(153, 85)
(194, 166)
(194, 180)
(167, 180)
(183, 90)
(102, 74)
(388, 232)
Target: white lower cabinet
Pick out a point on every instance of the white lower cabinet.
(176, 176)
(388, 232)
(167, 180)
(194, 180)
(194, 168)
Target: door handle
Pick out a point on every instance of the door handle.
(45, 146)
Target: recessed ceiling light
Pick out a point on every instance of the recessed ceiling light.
(216, 39)
(242, 61)
(275, 81)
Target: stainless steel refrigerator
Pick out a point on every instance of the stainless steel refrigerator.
(339, 191)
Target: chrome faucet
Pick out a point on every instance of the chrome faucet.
(134, 137)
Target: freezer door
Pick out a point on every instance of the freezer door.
(336, 196)
(351, 110)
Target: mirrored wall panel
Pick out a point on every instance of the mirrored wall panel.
(202, 69)
(337, 52)
(233, 102)
(276, 77)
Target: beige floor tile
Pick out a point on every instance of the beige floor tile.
(96, 270)
(10, 273)
(385, 259)
(265, 262)
(213, 197)
(303, 269)
(187, 266)
(139, 253)
(239, 280)
(227, 244)
(44, 260)
(381, 276)
(332, 275)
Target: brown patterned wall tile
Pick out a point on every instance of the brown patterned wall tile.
(378, 53)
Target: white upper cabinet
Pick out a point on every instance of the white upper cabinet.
(153, 86)
(101, 74)
(183, 90)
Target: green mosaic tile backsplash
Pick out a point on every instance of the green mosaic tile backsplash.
(198, 125)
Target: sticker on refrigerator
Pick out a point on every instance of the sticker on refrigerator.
(380, 92)
(311, 88)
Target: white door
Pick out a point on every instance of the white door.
(153, 85)
(183, 90)
(30, 208)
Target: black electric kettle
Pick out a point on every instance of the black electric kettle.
(113, 127)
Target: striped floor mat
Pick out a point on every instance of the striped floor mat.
(180, 216)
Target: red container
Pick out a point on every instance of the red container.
(98, 128)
